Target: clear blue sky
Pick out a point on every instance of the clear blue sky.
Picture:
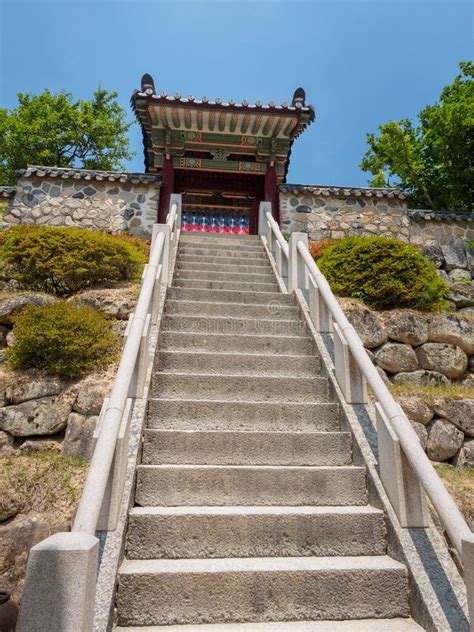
(360, 62)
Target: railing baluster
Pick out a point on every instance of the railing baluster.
(348, 374)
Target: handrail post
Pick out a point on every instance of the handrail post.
(60, 583)
(468, 562)
(402, 485)
(166, 252)
(263, 209)
(320, 314)
(296, 267)
(348, 374)
(176, 198)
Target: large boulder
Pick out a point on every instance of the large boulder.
(396, 357)
(434, 252)
(465, 457)
(44, 416)
(368, 325)
(408, 327)
(23, 388)
(421, 433)
(91, 391)
(459, 276)
(79, 433)
(416, 407)
(444, 440)
(453, 329)
(454, 256)
(115, 302)
(462, 295)
(11, 304)
(460, 412)
(442, 357)
(421, 378)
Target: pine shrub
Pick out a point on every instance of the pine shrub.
(63, 261)
(63, 339)
(383, 273)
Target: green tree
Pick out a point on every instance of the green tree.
(55, 130)
(431, 161)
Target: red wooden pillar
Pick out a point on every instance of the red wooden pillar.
(167, 188)
(271, 190)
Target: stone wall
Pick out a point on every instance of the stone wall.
(412, 351)
(104, 201)
(334, 212)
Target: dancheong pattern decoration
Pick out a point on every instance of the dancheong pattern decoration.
(214, 221)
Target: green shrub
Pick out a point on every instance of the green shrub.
(62, 339)
(65, 260)
(383, 273)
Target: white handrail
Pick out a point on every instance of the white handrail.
(96, 482)
(444, 504)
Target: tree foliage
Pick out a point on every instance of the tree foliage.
(431, 161)
(55, 130)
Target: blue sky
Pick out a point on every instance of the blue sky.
(361, 62)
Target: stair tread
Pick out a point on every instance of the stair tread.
(255, 510)
(258, 468)
(349, 625)
(259, 564)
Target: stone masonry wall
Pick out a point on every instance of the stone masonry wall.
(326, 215)
(85, 203)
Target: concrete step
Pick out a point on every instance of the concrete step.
(190, 532)
(218, 259)
(267, 311)
(193, 236)
(230, 296)
(354, 625)
(231, 268)
(240, 286)
(171, 485)
(237, 363)
(266, 276)
(274, 327)
(235, 343)
(240, 387)
(201, 447)
(236, 249)
(165, 592)
(190, 414)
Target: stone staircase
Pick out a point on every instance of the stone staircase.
(250, 515)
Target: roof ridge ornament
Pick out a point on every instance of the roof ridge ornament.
(299, 98)
(147, 83)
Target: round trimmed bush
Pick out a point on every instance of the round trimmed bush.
(63, 339)
(383, 273)
(63, 261)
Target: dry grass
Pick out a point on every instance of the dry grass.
(431, 392)
(460, 484)
(42, 482)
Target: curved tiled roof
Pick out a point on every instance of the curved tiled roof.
(322, 190)
(421, 214)
(7, 192)
(88, 174)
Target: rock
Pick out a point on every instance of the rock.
(460, 412)
(467, 381)
(434, 252)
(4, 331)
(10, 338)
(462, 295)
(442, 357)
(459, 276)
(416, 407)
(408, 327)
(368, 325)
(454, 256)
(421, 378)
(466, 311)
(13, 303)
(383, 375)
(115, 302)
(444, 440)
(6, 442)
(38, 444)
(91, 391)
(454, 329)
(28, 387)
(465, 457)
(79, 433)
(421, 433)
(396, 358)
(44, 416)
